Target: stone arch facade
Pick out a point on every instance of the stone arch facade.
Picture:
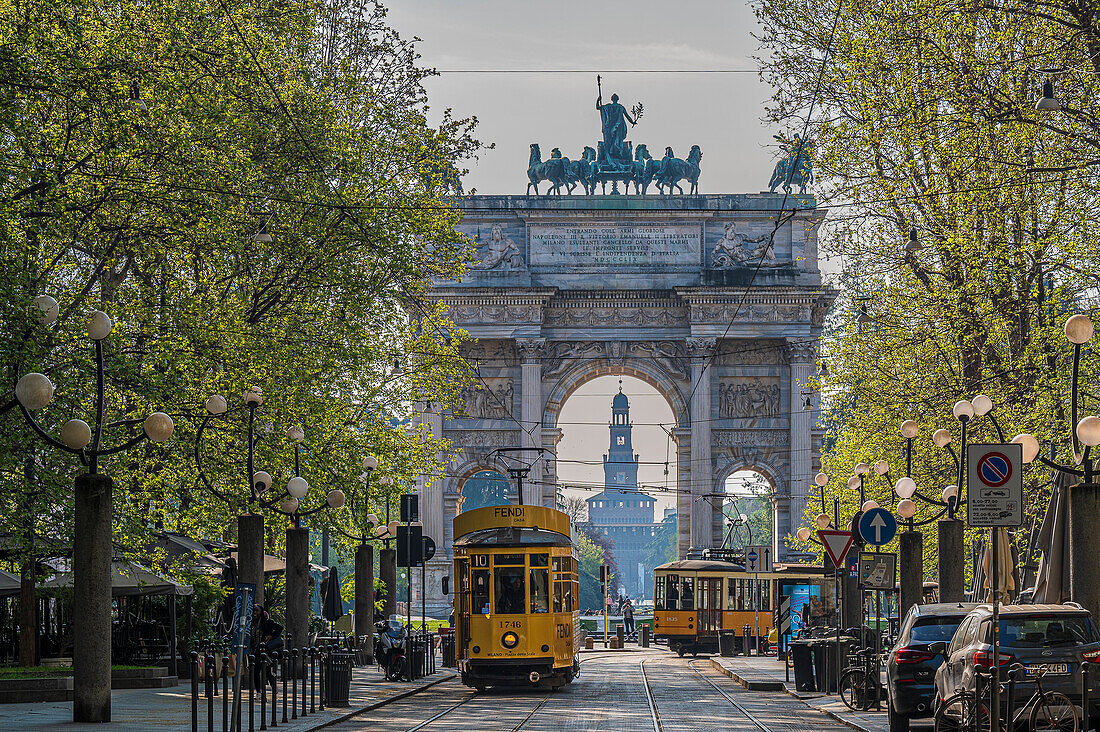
(660, 290)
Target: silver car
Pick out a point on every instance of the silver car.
(1049, 639)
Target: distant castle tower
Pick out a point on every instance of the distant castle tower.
(620, 511)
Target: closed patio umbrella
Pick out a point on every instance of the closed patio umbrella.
(1049, 587)
(333, 608)
(1006, 568)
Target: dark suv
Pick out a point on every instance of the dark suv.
(1053, 639)
(911, 667)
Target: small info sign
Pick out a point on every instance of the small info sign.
(995, 485)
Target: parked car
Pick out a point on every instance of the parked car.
(911, 667)
(1053, 639)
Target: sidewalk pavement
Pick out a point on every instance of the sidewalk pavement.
(169, 710)
(766, 673)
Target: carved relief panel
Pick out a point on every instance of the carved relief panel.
(747, 398)
(491, 400)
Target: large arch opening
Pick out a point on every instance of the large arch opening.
(617, 472)
(748, 509)
(482, 489)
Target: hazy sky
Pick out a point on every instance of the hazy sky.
(719, 112)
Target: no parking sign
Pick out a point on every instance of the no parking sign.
(995, 486)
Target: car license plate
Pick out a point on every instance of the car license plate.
(1051, 669)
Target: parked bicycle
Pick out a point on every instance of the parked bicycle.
(1044, 711)
(860, 687)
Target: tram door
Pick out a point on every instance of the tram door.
(462, 608)
(710, 605)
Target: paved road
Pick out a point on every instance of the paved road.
(622, 692)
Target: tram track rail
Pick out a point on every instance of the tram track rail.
(748, 715)
(656, 716)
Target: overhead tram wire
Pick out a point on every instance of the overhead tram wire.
(780, 220)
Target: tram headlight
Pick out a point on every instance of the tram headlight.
(509, 640)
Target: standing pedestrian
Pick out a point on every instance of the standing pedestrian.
(628, 617)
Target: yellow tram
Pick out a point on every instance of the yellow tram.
(695, 599)
(516, 614)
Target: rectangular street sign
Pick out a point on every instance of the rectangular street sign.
(877, 571)
(782, 619)
(758, 558)
(995, 485)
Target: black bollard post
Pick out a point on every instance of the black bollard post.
(1011, 701)
(261, 682)
(209, 680)
(293, 679)
(312, 682)
(286, 677)
(251, 668)
(323, 668)
(225, 692)
(305, 678)
(194, 691)
(1085, 701)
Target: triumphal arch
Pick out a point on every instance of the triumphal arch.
(715, 300)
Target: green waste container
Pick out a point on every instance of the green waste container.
(338, 679)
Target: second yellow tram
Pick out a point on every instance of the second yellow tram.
(696, 599)
(516, 614)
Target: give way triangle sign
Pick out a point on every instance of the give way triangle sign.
(837, 544)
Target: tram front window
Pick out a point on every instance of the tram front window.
(540, 583)
(659, 594)
(508, 585)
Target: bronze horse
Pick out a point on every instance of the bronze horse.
(673, 170)
(552, 170)
(582, 171)
(644, 169)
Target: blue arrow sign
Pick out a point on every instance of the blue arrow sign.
(878, 526)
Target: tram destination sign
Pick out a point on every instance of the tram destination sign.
(994, 485)
(602, 245)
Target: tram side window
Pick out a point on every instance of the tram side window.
(481, 591)
(672, 585)
(736, 594)
(765, 595)
(540, 583)
(687, 594)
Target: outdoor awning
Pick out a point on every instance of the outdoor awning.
(127, 578)
(272, 564)
(177, 545)
(9, 584)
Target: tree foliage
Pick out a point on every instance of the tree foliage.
(922, 114)
(147, 148)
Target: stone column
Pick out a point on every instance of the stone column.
(952, 560)
(250, 552)
(297, 588)
(364, 596)
(387, 572)
(700, 350)
(911, 556)
(92, 599)
(535, 491)
(801, 357)
(1084, 546)
(682, 480)
(432, 512)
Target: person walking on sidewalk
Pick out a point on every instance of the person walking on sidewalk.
(628, 617)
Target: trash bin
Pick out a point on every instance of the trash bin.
(416, 657)
(338, 679)
(727, 643)
(803, 661)
(448, 648)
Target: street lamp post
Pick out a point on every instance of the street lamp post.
(92, 549)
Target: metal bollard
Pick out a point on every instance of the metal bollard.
(194, 691)
(251, 692)
(285, 677)
(1011, 701)
(322, 663)
(209, 679)
(312, 683)
(225, 692)
(262, 683)
(305, 677)
(745, 639)
(293, 683)
(1085, 701)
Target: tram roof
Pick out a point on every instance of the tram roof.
(528, 518)
(512, 536)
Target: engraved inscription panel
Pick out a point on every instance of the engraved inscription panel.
(600, 245)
